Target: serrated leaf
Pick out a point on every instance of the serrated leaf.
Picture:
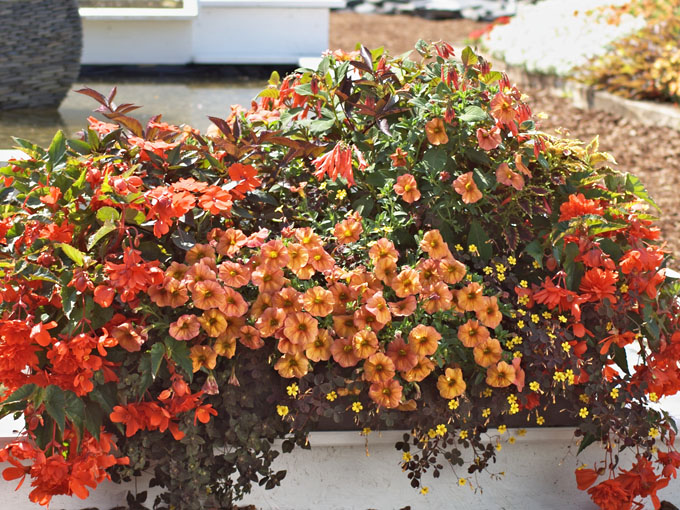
(270, 93)
(102, 232)
(79, 146)
(55, 405)
(105, 214)
(75, 410)
(157, 353)
(23, 393)
(77, 256)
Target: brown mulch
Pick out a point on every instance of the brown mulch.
(651, 153)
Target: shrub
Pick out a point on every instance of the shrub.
(379, 238)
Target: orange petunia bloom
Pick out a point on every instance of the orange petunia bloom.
(274, 255)
(300, 328)
(234, 274)
(320, 260)
(363, 319)
(402, 356)
(489, 314)
(377, 305)
(268, 280)
(500, 375)
(225, 346)
(250, 337)
(285, 346)
(176, 270)
(200, 272)
(451, 383)
(488, 139)
(405, 307)
(261, 303)
(398, 157)
(381, 250)
(420, 371)
(378, 368)
(234, 325)
(199, 251)
(185, 327)
(386, 271)
(502, 109)
(505, 175)
(270, 321)
(519, 165)
(231, 242)
(471, 297)
(428, 272)
(176, 293)
(365, 344)
(305, 273)
(424, 340)
(472, 333)
(488, 352)
(320, 348)
(128, 337)
(290, 365)
(406, 283)
(318, 301)
(342, 295)
(433, 244)
(407, 188)
(437, 299)
(451, 270)
(436, 132)
(466, 187)
(298, 256)
(344, 325)
(203, 356)
(348, 231)
(288, 299)
(308, 238)
(343, 353)
(386, 394)
(234, 304)
(214, 322)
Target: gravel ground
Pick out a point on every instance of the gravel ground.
(652, 153)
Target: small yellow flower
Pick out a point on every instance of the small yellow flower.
(461, 481)
(614, 393)
(566, 346)
(499, 447)
(331, 396)
(366, 431)
(472, 248)
(512, 440)
(501, 277)
(453, 404)
(547, 315)
(653, 432)
(570, 376)
(536, 265)
(562, 318)
(406, 457)
(653, 397)
(512, 260)
(487, 270)
(583, 413)
(432, 433)
(458, 247)
(424, 490)
(357, 407)
(535, 318)
(522, 312)
(441, 429)
(521, 432)
(584, 398)
(540, 420)
(520, 324)
(463, 434)
(487, 392)
(341, 195)
(524, 284)
(323, 185)
(534, 386)
(486, 412)
(282, 411)
(624, 288)
(293, 390)
(502, 429)
(512, 399)
(516, 354)
(514, 408)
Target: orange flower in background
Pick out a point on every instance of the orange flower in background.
(488, 352)
(320, 348)
(500, 375)
(200, 272)
(215, 200)
(231, 242)
(438, 299)
(471, 297)
(405, 307)
(250, 337)
(185, 327)
(428, 273)
(472, 333)
(234, 304)
(342, 295)
(401, 354)
(128, 337)
(298, 256)
(377, 305)
(386, 271)
(320, 260)
(578, 205)
(505, 175)
(318, 301)
(225, 345)
(420, 371)
(344, 325)
(214, 322)
(488, 139)
(365, 344)
(399, 157)
(203, 356)
(386, 394)
(338, 162)
(451, 270)
(198, 252)
(489, 314)
(434, 245)
(407, 188)
(274, 255)
(465, 186)
(288, 299)
(383, 249)
(502, 109)
(308, 238)
(270, 321)
(378, 368)
(611, 495)
(292, 365)
(599, 284)
(424, 340)
(436, 131)
(519, 165)
(208, 294)
(363, 319)
(268, 280)
(246, 176)
(234, 274)
(343, 353)
(451, 383)
(301, 328)
(348, 231)
(406, 283)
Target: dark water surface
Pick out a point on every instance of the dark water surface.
(183, 95)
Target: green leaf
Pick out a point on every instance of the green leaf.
(635, 186)
(490, 77)
(73, 253)
(269, 92)
(94, 418)
(480, 239)
(587, 440)
(179, 353)
(364, 205)
(321, 126)
(23, 393)
(620, 358)
(157, 353)
(75, 410)
(105, 396)
(79, 146)
(469, 57)
(274, 78)
(102, 232)
(473, 114)
(108, 214)
(55, 405)
(535, 251)
(57, 150)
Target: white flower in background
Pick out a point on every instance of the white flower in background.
(555, 36)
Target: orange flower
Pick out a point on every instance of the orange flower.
(381, 250)
(225, 345)
(489, 352)
(320, 348)
(424, 340)
(177, 270)
(270, 321)
(176, 292)
(214, 322)
(472, 333)
(386, 394)
(342, 350)
(288, 299)
(300, 328)
(203, 356)
(405, 307)
(250, 337)
(451, 383)
(234, 304)
(451, 270)
(308, 239)
(268, 280)
(285, 346)
(128, 337)
(599, 284)
(488, 139)
(318, 301)
(428, 273)
(377, 305)
(471, 297)
(489, 313)
(274, 255)
(342, 295)
(402, 356)
(231, 242)
(292, 365)
(399, 157)
(407, 188)
(198, 252)
(200, 272)
(434, 245)
(386, 271)
(261, 303)
(365, 344)
(519, 165)
(344, 325)
(438, 299)
(363, 319)
(378, 368)
(500, 375)
(320, 260)
(420, 371)
(298, 256)
(336, 162)
(406, 283)
(502, 109)
(465, 186)
(234, 274)
(185, 327)
(506, 176)
(348, 231)
(305, 273)
(436, 132)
